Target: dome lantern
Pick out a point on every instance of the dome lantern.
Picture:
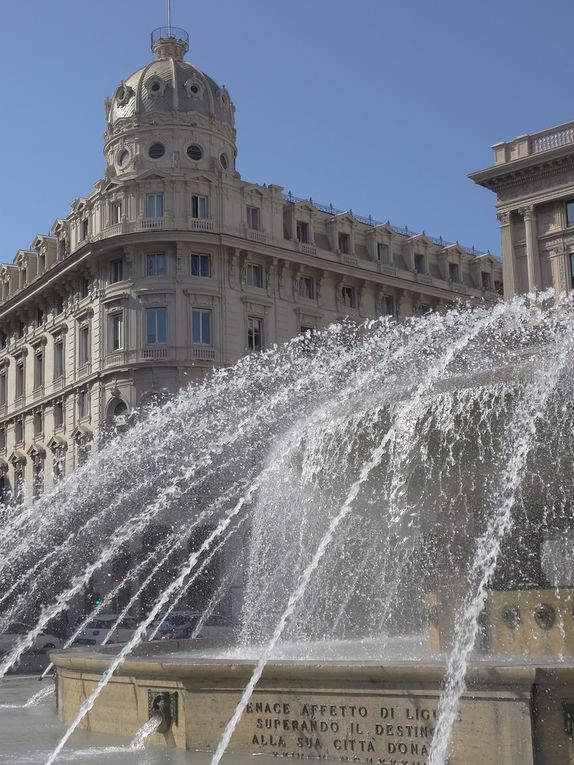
(169, 42)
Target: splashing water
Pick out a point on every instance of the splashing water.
(146, 730)
(350, 475)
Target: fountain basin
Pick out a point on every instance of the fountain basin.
(362, 711)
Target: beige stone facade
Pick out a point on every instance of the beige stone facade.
(533, 178)
(174, 265)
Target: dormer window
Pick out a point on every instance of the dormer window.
(420, 263)
(454, 272)
(123, 158)
(303, 231)
(194, 88)
(344, 243)
(85, 228)
(486, 281)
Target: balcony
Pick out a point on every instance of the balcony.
(203, 354)
(256, 236)
(151, 224)
(307, 248)
(200, 224)
(154, 353)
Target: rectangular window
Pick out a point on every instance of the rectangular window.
(388, 305)
(253, 218)
(58, 414)
(115, 212)
(201, 265)
(155, 265)
(58, 359)
(254, 275)
(348, 296)
(85, 228)
(201, 326)
(344, 243)
(572, 270)
(84, 287)
(39, 317)
(59, 305)
(116, 270)
(156, 321)
(198, 206)
(499, 287)
(84, 403)
(303, 231)
(570, 213)
(117, 331)
(306, 287)
(19, 379)
(84, 345)
(486, 280)
(154, 205)
(254, 333)
(38, 369)
(453, 272)
(38, 423)
(420, 263)
(2, 440)
(19, 431)
(3, 388)
(383, 253)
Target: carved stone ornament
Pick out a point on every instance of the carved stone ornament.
(503, 218)
(545, 616)
(194, 88)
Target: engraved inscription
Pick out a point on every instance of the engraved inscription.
(385, 731)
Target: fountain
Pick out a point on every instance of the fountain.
(387, 507)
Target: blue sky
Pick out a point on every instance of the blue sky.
(381, 106)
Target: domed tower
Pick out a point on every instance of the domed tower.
(169, 115)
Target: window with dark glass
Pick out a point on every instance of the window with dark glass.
(85, 228)
(499, 287)
(486, 280)
(155, 264)
(156, 323)
(19, 379)
(388, 305)
(570, 213)
(84, 287)
(572, 270)
(84, 403)
(38, 423)
(303, 231)
(58, 414)
(201, 326)
(154, 205)
(383, 253)
(84, 345)
(306, 287)
(344, 243)
(59, 304)
(348, 296)
(156, 151)
(254, 274)
(453, 272)
(253, 218)
(116, 270)
(254, 333)
(3, 388)
(19, 430)
(2, 443)
(58, 358)
(201, 265)
(198, 206)
(38, 369)
(117, 331)
(420, 263)
(115, 212)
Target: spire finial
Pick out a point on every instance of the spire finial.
(169, 16)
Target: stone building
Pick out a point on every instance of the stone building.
(533, 178)
(174, 265)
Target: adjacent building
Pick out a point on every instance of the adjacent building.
(533, 179)
(174, 265)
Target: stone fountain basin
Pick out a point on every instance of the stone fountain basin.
(362, 711)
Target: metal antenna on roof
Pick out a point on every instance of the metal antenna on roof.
(169, 17)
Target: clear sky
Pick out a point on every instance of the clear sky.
(381, 106)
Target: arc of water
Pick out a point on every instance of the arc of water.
(344, 510)
(523, 431)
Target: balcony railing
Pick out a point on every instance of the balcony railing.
(151, 224)
(256, 236)
(154, 353)
(203, 354)
(307, 249)
(552, 140)
(200, 224)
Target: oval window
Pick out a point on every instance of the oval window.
(194, 151)
(123, 158)
(155, 87)
(156, 150)
(224, 162)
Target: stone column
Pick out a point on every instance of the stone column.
(532, 256)
(561, 279)
(509, 273)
